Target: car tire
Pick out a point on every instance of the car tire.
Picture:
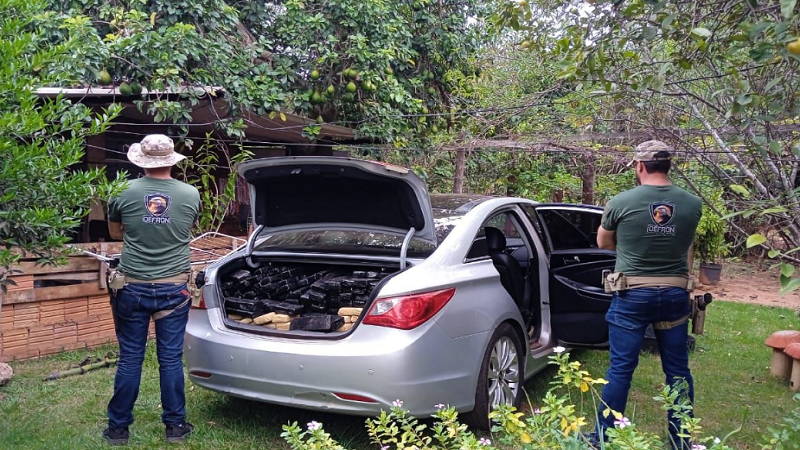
(501, 378)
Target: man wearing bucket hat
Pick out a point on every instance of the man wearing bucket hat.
(652, 228)
(154, 217)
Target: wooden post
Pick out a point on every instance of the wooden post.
(461, 159)
(101, 274)
(588, 178)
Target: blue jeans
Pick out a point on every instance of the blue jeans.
(628, 318)
(136, 302)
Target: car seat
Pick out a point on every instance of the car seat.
(511, 275)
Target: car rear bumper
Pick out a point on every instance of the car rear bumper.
(422, 367)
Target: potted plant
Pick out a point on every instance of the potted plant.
(710, 246)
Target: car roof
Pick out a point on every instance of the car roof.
(456, 204)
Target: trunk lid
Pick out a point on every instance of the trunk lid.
(312, 192)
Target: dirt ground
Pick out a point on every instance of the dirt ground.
(751, 282)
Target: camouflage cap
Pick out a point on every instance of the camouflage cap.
(647, 151)
(155, 150)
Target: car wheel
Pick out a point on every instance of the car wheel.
(501, 377)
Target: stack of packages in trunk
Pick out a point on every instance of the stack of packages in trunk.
(298, 298)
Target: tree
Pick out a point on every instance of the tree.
(42, 196)
(718, 79)
(377, 66)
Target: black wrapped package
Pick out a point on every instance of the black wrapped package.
(243, 304)
(240, 275)
(282, 307)
(317, 323)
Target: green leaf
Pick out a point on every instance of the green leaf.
(702, 32)
(741, 190)
(755, 239)
(787, 6)
(790, 286)
(774, 210)
(787, 270)
(775, 147)
(773, 253)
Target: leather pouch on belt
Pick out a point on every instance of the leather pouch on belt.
(116, 279)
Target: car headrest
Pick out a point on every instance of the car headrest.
(495, 240)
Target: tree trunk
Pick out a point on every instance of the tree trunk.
(461, 163)
(588, 178)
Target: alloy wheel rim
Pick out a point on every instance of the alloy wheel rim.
(503, 373)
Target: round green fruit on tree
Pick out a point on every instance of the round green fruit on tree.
(136, 88)
(351, 87)
(348, 97)
(794, 47)
(388, 70)
(434, 129)
(323, 98)
(104, 77)
(431, 91)
(316, 98)
(424, 110)
(125, 89)
(319, 120)
(331, 90)
(315, 74)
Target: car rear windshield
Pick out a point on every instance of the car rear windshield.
(344, 241)
(448, 210)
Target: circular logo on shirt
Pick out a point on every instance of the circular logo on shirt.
(157, 204)
(662, 213)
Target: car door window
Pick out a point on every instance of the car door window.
(571, 229)
(530, 211)
(504, 222)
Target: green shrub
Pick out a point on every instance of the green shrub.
(553, 425)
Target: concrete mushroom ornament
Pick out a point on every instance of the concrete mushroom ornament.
(781, 363)
(793, 351)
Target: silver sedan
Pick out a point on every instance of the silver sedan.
(450, 299)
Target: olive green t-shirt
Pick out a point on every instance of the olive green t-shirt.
(157, 218)
(655, 226)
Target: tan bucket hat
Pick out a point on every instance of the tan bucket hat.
(155, 150)
(647, 151)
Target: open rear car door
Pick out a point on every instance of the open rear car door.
(578, 303)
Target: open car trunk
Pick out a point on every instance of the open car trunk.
(299, 298)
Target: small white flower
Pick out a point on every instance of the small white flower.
(698, 447)
(314, 425)
(439, 405)
(397, 403)
(484, 442)
(385, 447)
(537, 411)
(624, 422)
(717, 440)
(559, 349)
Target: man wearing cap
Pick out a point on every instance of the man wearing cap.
(154, 217)
(651, 227)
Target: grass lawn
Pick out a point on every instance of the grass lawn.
(730, 370)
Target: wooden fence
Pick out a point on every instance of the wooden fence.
(55, 308)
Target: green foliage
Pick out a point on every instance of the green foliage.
(709, 241)
(43, 195)
(554, 425)
(786, 435)
(201, 172)
(283, 55)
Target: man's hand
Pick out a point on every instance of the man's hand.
(607, 240)
(115, 230)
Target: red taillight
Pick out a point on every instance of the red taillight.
(355, 398)
(201, 304)
(408, 311)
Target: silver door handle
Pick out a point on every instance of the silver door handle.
(573, 260)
